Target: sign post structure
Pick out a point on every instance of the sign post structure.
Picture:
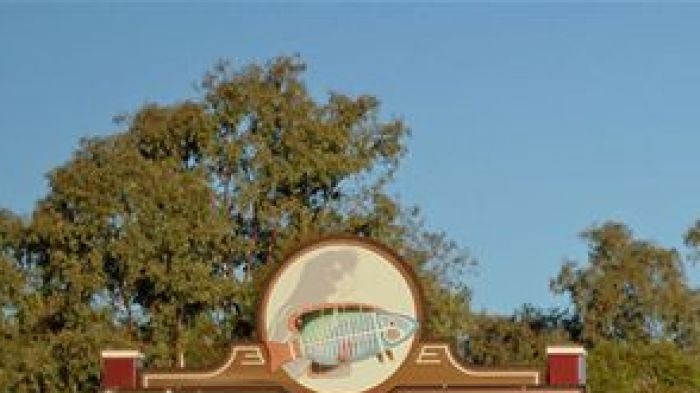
(343, 315)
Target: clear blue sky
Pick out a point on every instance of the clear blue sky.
(530, 122)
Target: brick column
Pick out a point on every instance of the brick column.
(566, 365)
(120, 369)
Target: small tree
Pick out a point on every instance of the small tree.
(630, 290)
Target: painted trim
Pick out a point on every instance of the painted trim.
(121, 354)
(560, 350)
(256, 360)
(535, 375)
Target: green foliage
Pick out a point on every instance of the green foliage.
(653, 368)
(630, 290)
(635, 311)
(516, 340)
(159, 237)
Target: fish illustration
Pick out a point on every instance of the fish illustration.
(327, 336)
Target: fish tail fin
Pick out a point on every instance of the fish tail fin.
(279, 354)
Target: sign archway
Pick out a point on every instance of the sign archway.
(339, 315)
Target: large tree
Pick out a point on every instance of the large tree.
(161, 234)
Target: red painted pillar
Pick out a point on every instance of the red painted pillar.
(120, 369)
(566, 365)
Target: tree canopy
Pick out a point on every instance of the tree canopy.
(630, 290)
(631, 306)
(159, 235)
(634, 309)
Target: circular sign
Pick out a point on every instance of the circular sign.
(340, 315)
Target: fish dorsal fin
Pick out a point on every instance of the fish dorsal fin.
(332, 308)
(339, 307)
(299, 318)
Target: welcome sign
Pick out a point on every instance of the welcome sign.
(343, 314)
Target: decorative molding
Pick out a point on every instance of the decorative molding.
(429, 364)
(437, 351)
(565, 350)
(252, 356)
(425, 355)
(424, 366)
(120, 354)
